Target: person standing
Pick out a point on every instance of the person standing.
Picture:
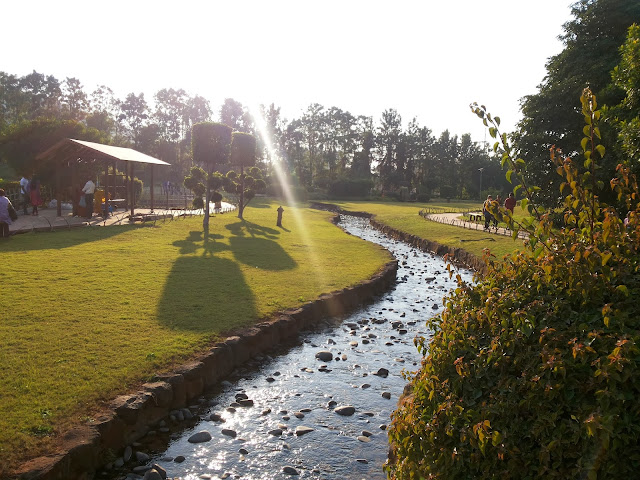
(26, 196)
(5, 217)
(34, 194)
(486, 210)
(510, 203)
(89, 189)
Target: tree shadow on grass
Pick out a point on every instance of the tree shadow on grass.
(242, 228)
(59, 239)
(261, 253)
(197, 240)
(206, 294)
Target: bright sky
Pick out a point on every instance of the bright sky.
(426, 58)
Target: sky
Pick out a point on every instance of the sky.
(426, 59)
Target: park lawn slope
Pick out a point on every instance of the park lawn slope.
(405, 217)
(90, 313)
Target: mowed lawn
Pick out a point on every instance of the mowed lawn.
(405, 217)
(90, 313)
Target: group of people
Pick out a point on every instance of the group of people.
(30, 191)
(491, 204)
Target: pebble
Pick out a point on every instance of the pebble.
(302, 430)
(364, 439)
(216, 417)
(128, 453)
(200, 437)
(276, 432)
(290, 470)
(229, 433)
(142, 457)
(346, 410)
(179, 459)
(382, 372)
(386, 395)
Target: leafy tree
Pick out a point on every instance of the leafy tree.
(624, 116)
(552, 116)
(242, 188)
(210, 144)
(243, 154)
(75, 102)
(134, 114)
(533, 371)
(233, 114)
(195, 182)
(387, 140)
(23, 141)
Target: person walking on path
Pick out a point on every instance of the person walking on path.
(89, 189)
(486, 207)
(5, 216)
(26, 196)
(510, 203)
(34, 193)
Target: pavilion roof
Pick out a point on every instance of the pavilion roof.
(72, 149)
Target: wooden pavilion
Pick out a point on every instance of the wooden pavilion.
(68, 153)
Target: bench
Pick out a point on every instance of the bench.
(476, 217)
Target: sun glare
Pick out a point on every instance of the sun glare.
(276, 162)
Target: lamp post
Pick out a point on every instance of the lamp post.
(480, 192)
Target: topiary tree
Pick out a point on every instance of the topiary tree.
(534, 370)
(210, 144)
(243, 154)
(195, 182)
(243, 188)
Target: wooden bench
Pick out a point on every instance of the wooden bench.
(476, 217)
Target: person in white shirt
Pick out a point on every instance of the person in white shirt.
(26, 195)
(89, 189)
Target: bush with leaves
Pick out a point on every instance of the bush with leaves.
(533, 371)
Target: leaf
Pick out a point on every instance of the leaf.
(497, 120)
(508, 175)
(605, 258)
(584, 142)
(600, 149)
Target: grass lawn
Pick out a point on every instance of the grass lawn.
(404, 216)
(89, 313)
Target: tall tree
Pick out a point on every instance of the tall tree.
(75, 102)
(233, 114)
(210, 144)
(552, 116)
(387, 141)
(135, 114)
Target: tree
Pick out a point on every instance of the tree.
(233, 114)
(624, 116)
(533, 370)
(387, 140)
(552, 115)
(23, 141)
(74, 100)
(243, 154)
(210, 144)
(134, 110)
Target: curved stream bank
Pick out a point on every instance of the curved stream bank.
(317, 409)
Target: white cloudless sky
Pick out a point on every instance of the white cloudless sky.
(427, 59)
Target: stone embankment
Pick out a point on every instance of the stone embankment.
(85, 449)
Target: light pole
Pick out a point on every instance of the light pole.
(480, 192)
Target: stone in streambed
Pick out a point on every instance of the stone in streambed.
(200, 437)
(345, 410)
(302, 430)
(324, 356)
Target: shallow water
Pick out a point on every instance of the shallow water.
(295, 382)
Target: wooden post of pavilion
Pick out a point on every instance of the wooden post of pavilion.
(58, 190)
(133, 200)
(151, 188)
(74, 186)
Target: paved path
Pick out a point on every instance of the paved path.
(48, 220)
(455, 219)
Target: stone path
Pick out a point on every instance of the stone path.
(456, 220)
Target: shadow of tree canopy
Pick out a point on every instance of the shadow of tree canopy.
(261, 253)
(59, 239)
(253, 229)
(206, 294)
(199, 240)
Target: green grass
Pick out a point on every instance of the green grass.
(90, 313)
(404, 216)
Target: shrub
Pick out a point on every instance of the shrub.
(533, 371)
(423, 197)
(350, 188)
(446, 191)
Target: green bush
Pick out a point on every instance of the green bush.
(533, 371)
(423, 197)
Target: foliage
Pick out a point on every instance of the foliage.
(551, 116)
(446, 191)
(533, 372)
(195, 182)
(242, 188)
(346, 187)
(23, 141)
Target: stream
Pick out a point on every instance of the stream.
(277, 417)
